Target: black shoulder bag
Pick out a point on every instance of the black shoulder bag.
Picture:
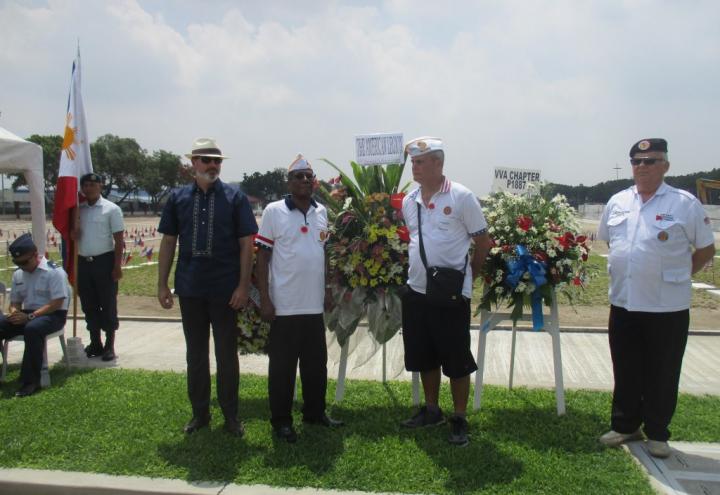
(444, 285)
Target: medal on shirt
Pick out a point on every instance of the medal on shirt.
(662, 236)
(447, 210)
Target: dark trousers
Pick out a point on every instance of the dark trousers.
(98, 292)
(293, 338)
(647, 351)
(197, 316)
(33, 332)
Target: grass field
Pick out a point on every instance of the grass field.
(129, 422)
(142, 281)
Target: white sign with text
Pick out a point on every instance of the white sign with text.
(379, 149)
(514, 180)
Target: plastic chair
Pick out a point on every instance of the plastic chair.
(44, 372)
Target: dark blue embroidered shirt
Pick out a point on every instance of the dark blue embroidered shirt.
(208, 226)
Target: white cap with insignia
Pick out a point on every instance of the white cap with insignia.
(423, 145)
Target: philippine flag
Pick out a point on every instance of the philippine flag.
(74, 163)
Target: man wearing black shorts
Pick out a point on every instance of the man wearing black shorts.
(438, 337)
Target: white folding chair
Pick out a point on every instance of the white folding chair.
(44, 373)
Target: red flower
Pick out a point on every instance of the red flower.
(541, 256)
(524, 222)
(396, 200)
(584, 257)
(567, 241)
(577, 281)
(403, 233)
(431, 206)
(304, 229)
(506, 248)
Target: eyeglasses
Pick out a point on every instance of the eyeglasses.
(647, 161)
(207, 159)
(304, 175)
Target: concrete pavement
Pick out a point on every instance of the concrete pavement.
(159, 345)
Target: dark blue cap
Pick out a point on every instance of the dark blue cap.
(649, 144)
(22, 245)
(91, 177)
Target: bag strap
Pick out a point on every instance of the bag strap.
(422, 246)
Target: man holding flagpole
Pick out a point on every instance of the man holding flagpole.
(100, 248)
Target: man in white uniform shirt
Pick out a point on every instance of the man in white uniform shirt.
(439, 337)
(651, 229)
(38, 307)
(293, 295)
(100, 248)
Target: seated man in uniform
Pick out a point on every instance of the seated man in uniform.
(38, 307)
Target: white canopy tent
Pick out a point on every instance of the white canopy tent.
(18, 155)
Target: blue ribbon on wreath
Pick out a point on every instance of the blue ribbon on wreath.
(525, 262)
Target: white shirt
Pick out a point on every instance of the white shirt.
(297, 265)
(98, 223)
(650, 260)
(45, 283)
(453, 216)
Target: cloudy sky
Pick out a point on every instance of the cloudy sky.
(561, 86)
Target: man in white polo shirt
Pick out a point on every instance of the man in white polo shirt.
(651, 229)
(291, 281)
(434, 336)
(100, 249)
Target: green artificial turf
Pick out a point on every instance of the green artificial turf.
(129, 422)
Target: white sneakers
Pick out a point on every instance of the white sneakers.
(658, 449)
(655, 448)
(614, 439)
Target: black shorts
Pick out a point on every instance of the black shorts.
(435, 337)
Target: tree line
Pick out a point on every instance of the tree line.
(600, 193)
(122, 162)
(125, 164)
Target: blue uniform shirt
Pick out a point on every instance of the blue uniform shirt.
(208, 226)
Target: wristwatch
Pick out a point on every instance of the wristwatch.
(31, 316)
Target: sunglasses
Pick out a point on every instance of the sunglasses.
(207, 159)
(304, 175)
(647, 161)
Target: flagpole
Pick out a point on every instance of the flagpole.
(76, 220)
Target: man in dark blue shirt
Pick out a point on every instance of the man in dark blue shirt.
(215, 226)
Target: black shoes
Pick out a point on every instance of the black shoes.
(27, 390)
(324, 420)
(286, 433)
(196, 423)
(424, 417)
(94, 350)
(109, 351)
(108, 354)
(458, 431)
(234, 427)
